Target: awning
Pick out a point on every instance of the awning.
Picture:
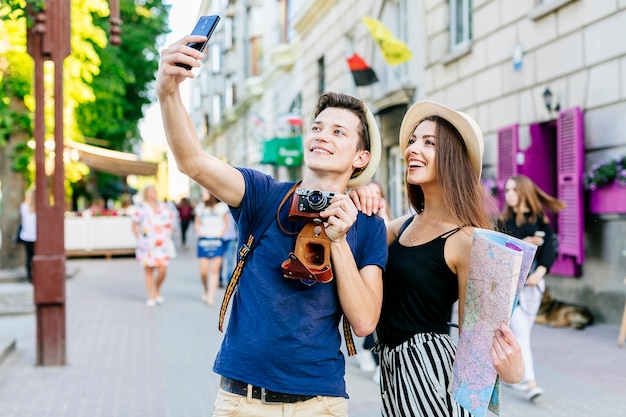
(113, 162)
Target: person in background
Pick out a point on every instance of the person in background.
(380, 194)
(153, 225)
(211, 222)
(97, 207)
(186, 216)
(28, 231)
(126, 209)
(229, 242)
(428, 266)
(525, 217)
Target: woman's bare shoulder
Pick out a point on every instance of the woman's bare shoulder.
(395, 225)
(459, 246)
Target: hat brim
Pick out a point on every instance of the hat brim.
(467, 127)
(375, 152)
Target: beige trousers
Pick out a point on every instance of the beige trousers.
(228, 404)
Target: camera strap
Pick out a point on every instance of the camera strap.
(257, 227)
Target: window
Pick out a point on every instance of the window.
(217, 109)
(206, 126)
(216, 58)
(228, 33)
(554, 161)
(460, 23)
(290, 33)
(229, 93)
(397, 189)
(545, 7)
(254, 48)
(321, 86)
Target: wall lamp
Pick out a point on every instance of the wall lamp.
(547, 100)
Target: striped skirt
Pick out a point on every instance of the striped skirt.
(415, 377)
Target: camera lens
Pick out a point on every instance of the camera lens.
(317, 200)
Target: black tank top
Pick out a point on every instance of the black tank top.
(419, 290)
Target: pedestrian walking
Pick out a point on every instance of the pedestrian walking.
(27, 232)
(153, 225)
(211, 222)
(186, 216)
(525, 217)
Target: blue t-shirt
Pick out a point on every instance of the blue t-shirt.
(283, 335)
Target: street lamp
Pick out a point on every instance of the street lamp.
(547, 100)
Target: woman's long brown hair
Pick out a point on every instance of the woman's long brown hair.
(463, 193)
(536, 201)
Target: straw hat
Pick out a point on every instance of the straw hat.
(375, 152)
(467, 127)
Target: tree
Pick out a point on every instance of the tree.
(105, 88)
(122, 88)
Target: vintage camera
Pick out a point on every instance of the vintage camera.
(307, 204)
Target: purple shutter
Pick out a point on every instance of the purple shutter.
(570, 164)
(508, 145)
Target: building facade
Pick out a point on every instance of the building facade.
(546, 81)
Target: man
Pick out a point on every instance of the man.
(281, 350)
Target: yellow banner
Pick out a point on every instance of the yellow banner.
(393, 49)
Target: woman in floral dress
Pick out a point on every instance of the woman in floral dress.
(153, 226)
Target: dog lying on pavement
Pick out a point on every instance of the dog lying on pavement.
(557, 313)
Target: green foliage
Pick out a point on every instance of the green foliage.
(22, 160)
(106, 87)
(16, 67)
(127, 73)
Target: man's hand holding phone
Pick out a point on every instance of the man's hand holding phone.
(183, 55)
(206, 26)
(170, 75)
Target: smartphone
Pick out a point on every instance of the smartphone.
(205, 27)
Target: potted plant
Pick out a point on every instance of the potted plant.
(606, 182)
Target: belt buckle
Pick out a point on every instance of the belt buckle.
(263, 397)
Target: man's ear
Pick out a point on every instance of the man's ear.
(361, 159)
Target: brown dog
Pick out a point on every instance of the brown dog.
(557, 313)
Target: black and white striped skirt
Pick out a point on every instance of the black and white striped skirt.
(415, 377)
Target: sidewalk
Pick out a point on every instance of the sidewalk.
(125, 359)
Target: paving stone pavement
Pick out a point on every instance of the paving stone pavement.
(125, 359)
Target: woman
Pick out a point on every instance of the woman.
(153, 224)
(524, 217)
(28, 231)
(428, 266)
(211, 223)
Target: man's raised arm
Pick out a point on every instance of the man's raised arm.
(221, 179)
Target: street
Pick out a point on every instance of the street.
(125, 359)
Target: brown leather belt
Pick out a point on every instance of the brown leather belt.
(267, 397)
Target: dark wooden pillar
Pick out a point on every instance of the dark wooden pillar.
(49, 40)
